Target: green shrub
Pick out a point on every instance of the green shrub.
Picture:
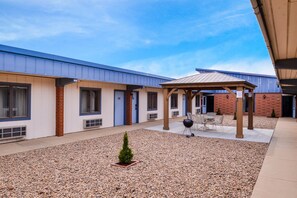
(126, 154)
(273, 114)
(219, 111)
(234, 117)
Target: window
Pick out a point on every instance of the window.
(152, 101)
(90, 101)
(174, 101)
(14, 101)
(197, 101)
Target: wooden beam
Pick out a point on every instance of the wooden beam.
(250, 110)
(290, 63)
(189, 101)
(166, 110)
(288, 81)
(195, 94)
(230, 91)
(239, 115)
(171, 92)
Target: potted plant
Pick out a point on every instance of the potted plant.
(273, 114)
(219, 111)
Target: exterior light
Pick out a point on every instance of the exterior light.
(227, 96)
(264, 97)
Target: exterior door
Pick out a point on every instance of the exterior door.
(287, 106)
(184, 105)
(135, 107)
(204, 103)
(210, 104)
(119, 108)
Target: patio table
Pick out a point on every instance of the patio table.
(207, 119)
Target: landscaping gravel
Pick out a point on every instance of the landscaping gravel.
(172, 166)
(261, 122)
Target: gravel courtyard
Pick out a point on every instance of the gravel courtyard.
(261, 122)
(172, 166)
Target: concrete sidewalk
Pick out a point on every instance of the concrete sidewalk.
(27, 145)
(278, 175)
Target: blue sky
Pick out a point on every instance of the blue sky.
(164, 37)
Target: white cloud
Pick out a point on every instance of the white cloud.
(184, 64)
(249, 65)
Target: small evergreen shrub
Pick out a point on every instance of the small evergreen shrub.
(234, 117)
(126, 154)
(273, 114)
(219, 111)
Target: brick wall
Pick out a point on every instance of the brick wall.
(263, 106)
(226, 103)
(59, 111)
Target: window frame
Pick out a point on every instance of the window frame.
(99, 102)
(11, 85)
(176, 107)
(152, 109)
(197, 101)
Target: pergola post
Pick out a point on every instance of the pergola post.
(239, 112)
(166, 109)
(189, 101)
(250, 110)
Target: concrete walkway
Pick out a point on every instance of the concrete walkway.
(222, 132)
(27, 145)
(278, 175)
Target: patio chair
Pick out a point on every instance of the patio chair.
(200, 120)
(189, 116)
(218, 122)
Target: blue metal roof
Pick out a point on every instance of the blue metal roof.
(30, 62)
(265, 83)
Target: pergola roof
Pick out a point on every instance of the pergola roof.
(212, 80)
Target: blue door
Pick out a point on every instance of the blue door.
(134, 107)
(119, 108)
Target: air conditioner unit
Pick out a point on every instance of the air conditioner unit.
(152, 116)
(15, 132)
(92, 123)
(175, 113)
(198, 111)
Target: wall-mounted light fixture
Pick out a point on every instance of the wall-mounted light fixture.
(227, 96)
(264, 97)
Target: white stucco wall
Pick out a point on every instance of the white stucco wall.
(43, 105)
(73, 122)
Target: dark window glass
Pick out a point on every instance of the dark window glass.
(152, 101)
(197, 101)
(14, 101)
(90, 101)
(4, 101)
(174, 101)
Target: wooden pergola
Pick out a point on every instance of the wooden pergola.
(193, 85)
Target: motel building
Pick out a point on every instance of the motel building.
(47, 95)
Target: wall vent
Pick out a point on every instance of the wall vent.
(7, 133)
(175, 113)
(152, 116)
(92, 123)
